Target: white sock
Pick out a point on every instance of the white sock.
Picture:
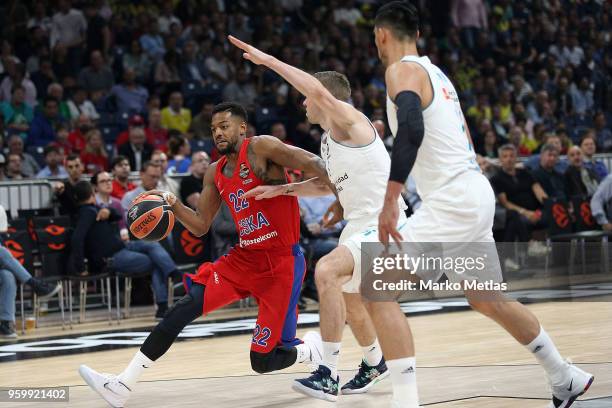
(303, 353)
(139, 363)
(403, 379)
(331, 353)
(549, 358)
(372, 354)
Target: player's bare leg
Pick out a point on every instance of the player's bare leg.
(568, 382)
(373, 368)
(332, 271)
(397, 345)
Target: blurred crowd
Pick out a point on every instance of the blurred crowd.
(93, 90)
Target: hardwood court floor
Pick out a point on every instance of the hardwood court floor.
(464, 360)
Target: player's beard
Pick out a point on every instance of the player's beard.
(229, 148)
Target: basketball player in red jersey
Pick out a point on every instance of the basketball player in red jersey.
(267, 264)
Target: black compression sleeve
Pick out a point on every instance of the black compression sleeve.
(410, 131)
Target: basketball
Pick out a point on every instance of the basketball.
(150, 218)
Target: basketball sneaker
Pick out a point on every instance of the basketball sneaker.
(313, 340)
(366, 378)
(319, 385)
(107, 385)
(577, 383)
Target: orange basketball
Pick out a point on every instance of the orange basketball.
(150, 218)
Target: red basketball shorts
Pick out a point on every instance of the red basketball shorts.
(274, 278)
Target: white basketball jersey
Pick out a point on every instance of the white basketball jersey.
(446, 150)
(360, 175)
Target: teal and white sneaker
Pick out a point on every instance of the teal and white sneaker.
(366, 378)
(319, 385)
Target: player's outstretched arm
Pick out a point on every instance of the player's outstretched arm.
(197, 222)
(275, 151)
(308, 188)
(344, 115)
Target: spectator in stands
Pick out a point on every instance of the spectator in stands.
(94, 156)
(17, 114)
(200, 125)
(94, 226)
(29, 165)
(549, 178)
(151, 42)
(167, 73)
(76, 138)
(130, 97)
(61, 140)
(157, 135)
(601, 204)
(16, 76)
(192, 67)
(150, 174)
(137, 61)
(240, 89)
(562, 97)
(603, 133)
(53, 160)
(43, 77)
(64, 190)
(11, 272)
(166, 18)
(97, 78)
(522, 196)
(68, 31)
(588, 147)
(120, 166)
(579, 180)
(166, 183)
(582, 97)
(191, 185)
(56, 90)
(218, 64)
(102, 183)
(490, 144)
(175, 116)
(279, 131)
(12, 169)
(42, 129)
(79, 105)
(321, 240)
(137, 150)
(470, 16)
(179, 150)
(554, 140)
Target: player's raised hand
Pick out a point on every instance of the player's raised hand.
(251, 53)
(387, 224)
(333, 215)
(265, 191)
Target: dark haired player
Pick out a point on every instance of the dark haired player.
(433, 145)
(267, 264)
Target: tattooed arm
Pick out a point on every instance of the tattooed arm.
(269, 156)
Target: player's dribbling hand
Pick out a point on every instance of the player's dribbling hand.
(251, 53)
(333, 215)
(387, 224)
(166, 195)
(266, 191)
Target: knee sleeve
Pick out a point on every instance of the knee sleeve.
(183, 312)
(277, 359)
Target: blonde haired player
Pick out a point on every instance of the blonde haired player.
(432, 144)
(358, 164)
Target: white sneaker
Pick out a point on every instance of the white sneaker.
(107, 385)
(313, 340)
(537, 249)
(578, 383)
(511, 266)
